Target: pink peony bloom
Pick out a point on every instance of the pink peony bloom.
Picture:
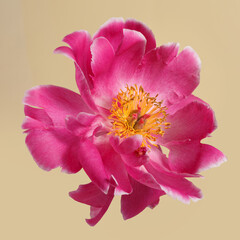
(135, 99)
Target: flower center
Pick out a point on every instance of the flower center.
(135, 112)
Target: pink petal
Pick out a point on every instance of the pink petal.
(192, 157)
(50, 148)
(97, 213)
(134, 160)
(210, 157)
(57, 102)
(168, 52)
(183, 156)
(127, 145)
(175, 185)
(112, 30)
(163, 73)
(140, 174)
(66, 51)
(132, 24)
(194, 121)
(84, 89)
(91, 195)
(141, 197)
(92, 164)
(157, 159)
(80, 43)
(39, 115)
(124, 64)
(102, 56)
(115, 166)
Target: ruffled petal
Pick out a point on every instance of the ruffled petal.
(194, 121)
(133, 24)
(56, 150)
(102, 56)
(114, 165)
(37, 114)
(175, 185)
(172, 77)
(92, 164)
(127, 145)
(141, 197)
(91, 195)
(80, 43)
(140, 174)
(193, 157)
(183, 156)
(57, 102)
(112, 30)
(210, 157)
(123, 66)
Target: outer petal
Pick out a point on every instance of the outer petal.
(210, 157)
(192, 157)
(175, 185)
(141, 197)
(115, 166)
(55, 150)
(170, 76)
(56, 101)
(140, 174)
(124, 64)
(132, 24)
(112, 30)
(194, 121)
(80, 42)
(92, 164)
(91, 195)
(38, 115)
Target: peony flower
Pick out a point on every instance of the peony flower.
(135, 128)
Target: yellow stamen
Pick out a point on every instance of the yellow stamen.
(135, 112)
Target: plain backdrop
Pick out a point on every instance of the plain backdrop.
(34, 203)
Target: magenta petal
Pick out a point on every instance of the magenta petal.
(141, 197)
(128, 145)
(92, 164)
(124, 65)
(168, 52)
(132, 24)
(163, 73)
(175, 185)
(194, 121)
(140, 174)
(39, 115)
(56, 101)
(89, 194)
(115, 166)
(84, 89)
(53, 152)
(66, 51)
(97, 213)
(80, 43)
(102, 56)
(112, 30)
(183, 156)
(210, 157)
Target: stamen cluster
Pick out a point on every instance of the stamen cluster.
(135, 112)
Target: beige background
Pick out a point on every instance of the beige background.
(34, 203)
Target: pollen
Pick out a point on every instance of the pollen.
(134, 111)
